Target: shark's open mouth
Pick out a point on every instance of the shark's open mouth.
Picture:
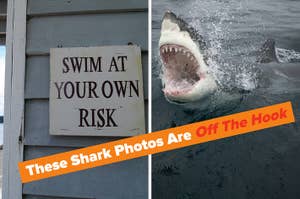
(181, 69)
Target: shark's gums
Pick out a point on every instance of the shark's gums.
(185, 73)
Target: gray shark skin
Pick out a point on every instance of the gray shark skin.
(184, 26)
(267, 53)
(270, 53)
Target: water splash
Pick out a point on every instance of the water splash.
(287, 56)
(229, 69)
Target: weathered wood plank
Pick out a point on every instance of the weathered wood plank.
(38, 74)
(126, 179)
(37, 128)
(86, 30)
(50, 7)
(37, 77)
(50, 197)
(14, 98)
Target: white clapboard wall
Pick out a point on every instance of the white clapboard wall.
(79, 23)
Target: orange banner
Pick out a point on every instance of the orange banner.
(156, 142)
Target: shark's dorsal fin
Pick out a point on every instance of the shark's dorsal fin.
(267, 52)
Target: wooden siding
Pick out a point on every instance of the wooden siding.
(79, 23)
(38, 76)
(48, 32)
(14, 98)
(37, 128)
(28, 196)
(67, 7)
(120, 180)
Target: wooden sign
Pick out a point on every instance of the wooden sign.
(96, 91)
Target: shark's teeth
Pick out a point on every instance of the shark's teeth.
(172, 50)
(181, 68)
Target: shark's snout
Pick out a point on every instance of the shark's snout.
(169, 15)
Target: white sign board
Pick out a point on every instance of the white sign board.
(96, 91)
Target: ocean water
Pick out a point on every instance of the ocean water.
(265, 164)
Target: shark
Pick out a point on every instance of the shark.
(186, 77)
(185, 73)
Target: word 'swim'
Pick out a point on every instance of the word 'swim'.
(93, 89)
(105, 89)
